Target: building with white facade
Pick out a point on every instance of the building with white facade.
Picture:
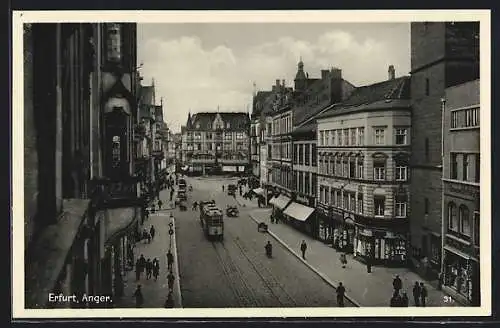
(363, 181)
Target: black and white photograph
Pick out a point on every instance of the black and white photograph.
(251, 164)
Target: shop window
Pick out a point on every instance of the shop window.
(379, 204)
(464, 220)
(458, 274)
(452, 217)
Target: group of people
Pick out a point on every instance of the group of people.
(400, 298)
(149, 235)
(150, 267)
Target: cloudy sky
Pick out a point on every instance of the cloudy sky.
(198, 67)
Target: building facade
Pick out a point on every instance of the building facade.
(81, 205)
(216, 142)
(363, 178)
(461, 183)
(442, 55)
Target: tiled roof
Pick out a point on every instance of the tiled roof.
(303, 113)
(236, 120)
(386, 94)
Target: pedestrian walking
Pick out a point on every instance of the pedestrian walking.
(170, 260)
(169, 303)
(343, 260)
(139, 299)
(303, 247)
(272, 218)
(222, 188)
(340, 295)
(416, 293)
(148, 235)
(170, 280)
(152, 231)
(149, 269)
(142, 263)
(138, 270)
(160, 204)
(156, 268)
(423, 294)
(397, 283)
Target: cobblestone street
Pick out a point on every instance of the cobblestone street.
(236, 272)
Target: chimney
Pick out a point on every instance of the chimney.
(336, 73)
(324, 74)
(392, 72)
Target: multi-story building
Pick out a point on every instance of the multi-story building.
(363, 185)
(461, 173)
(309, 97)
(443, 54)
(216, 142)
(317, 97)
(257, 125)
(144, 138)
(81, 206)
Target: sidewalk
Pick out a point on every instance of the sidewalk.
(367, 289)
(154, 292)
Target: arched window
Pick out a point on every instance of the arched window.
(452, 217)
(464, 220)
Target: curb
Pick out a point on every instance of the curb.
(320, 274)
(176, 264)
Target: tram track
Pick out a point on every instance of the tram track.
(244, 293)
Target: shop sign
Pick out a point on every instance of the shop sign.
(458, 245)
(461, 188)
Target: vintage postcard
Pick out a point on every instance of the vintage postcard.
(244, 164)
